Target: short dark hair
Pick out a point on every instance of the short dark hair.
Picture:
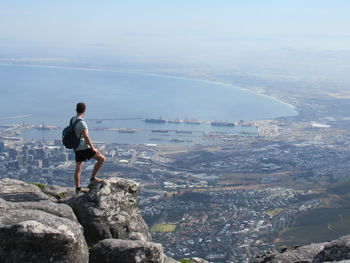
(81, 107)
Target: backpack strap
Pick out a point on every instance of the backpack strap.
(75, 123)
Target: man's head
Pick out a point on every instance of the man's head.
(80, 109)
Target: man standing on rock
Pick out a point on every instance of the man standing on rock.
(85, 150)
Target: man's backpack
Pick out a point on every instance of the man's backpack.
(69, 138)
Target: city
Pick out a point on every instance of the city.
(225, 201)
(225, 126)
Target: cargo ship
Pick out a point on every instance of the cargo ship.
(161, 131)
(197, 122)
(159, 120)
(223, 123)
(177, 140)
(125, 130)
(177, 121)
(186, 132)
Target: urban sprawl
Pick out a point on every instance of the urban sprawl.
(226, 201)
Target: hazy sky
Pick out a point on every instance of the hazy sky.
(185, 28)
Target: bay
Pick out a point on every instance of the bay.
(49, 96)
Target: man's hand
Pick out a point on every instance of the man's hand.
(96, 151)
(88, 141)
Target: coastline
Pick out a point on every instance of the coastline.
(269, 96)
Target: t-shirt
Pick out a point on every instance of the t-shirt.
(81, 125)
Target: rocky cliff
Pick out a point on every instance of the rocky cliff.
(51, 224)
(333, 251)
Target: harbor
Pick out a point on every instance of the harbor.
(198, 122)
(142, 130)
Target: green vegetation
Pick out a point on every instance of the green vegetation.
(186, 261)
(341, 187)
(163, 228)
(317, 225)
(274, 212)
(41, 186)
(61, 195)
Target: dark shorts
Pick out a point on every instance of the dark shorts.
(84, 155)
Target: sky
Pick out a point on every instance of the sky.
(181, 29)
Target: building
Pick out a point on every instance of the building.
(2, 146)
(12, 154)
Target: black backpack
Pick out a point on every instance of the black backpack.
(69, 138)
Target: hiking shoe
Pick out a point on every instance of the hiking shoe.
(79, 190)
(95, 180)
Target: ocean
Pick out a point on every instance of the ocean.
(48, 95)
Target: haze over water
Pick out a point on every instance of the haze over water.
(49, 95)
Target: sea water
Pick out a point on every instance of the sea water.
(48, 95)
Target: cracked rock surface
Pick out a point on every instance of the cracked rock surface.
(33, 228)
(109, 210)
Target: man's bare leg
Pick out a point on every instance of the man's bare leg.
(100, 160)
(77, 171)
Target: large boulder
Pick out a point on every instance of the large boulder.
(126, 251)
(15, 194)
(58, 192)
(303, 254)
(17, 191)
(109, 210)
(336, 250)
(36, 236)
(33, 228)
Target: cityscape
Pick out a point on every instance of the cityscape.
(225, 127)
(227, 200)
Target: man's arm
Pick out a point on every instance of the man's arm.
(88, 141)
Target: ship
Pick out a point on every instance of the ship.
(245, 123)
(177, 121)
(151, 120)
(188, 132)
(223, 123)
(176, 140)
(161, 131)
(124, 130)
(194, 121)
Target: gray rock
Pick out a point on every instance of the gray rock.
(109, 210)
(336, 250)
(37, 225)
(126, 251)
(36, 236)
(342, 261)
(33, 228)
(17, 191)
(15, 194)
(304, 254)
(59, 192)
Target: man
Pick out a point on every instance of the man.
(85, 150)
